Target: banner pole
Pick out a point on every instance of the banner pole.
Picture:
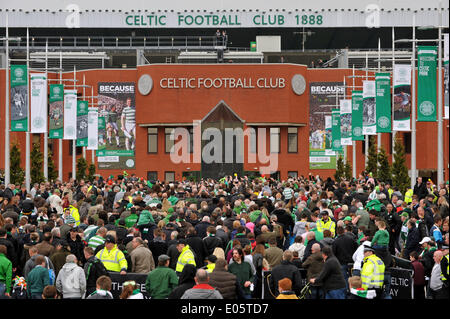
(366, 137)
(353, 142)
(440, 137)
(60, 141)
(379, 69)
(27, 133)
(74, 142)
(413, 105)
(7, 105)
(84, 89)
(393, 92)
(46, 129)
(92, 102)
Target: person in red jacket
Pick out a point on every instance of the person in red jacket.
(419, 276)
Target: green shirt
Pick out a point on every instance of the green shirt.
(37, 279)
(131, 220)
(381, 238)
(160, 282)
(5, 272)
(243, 272)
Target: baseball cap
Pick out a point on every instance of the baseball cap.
(163, 258)
(404, 214)
(348, 218)
(425, 240)
(110, 239)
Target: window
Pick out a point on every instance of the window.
(191, 140)
(292, 140)
(292, 174)
(168, 142)
(274, 140)
(407, 142)
(152, 176)
(78, 149)
(253, 140)
(152, 140)
(169, 176)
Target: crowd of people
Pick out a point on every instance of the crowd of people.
(224, 239)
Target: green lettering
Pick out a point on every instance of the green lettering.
(215, 20)
(223, 20)
(161, 22)
(191, 20)
(126, 20)
(254, 19)
(180, 19)
(136, 20)
(199, 22)
(280, 20)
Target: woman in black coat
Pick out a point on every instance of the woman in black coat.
(185, 282)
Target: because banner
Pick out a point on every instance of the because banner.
(369, 108)
(402, 97)
(357, 116)
(92, 128)
(70, 114)
(426, 84)
(346, 122)
(38, 103)
(19, 98)
(56, 110)
(446, 77)
(117, 106)
(323, 98)
(383, 102)
(82, 123)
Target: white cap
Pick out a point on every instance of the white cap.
(425, 240)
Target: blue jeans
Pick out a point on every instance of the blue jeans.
(336, 294)
(344, 269)
(316, 293)
(2, 288)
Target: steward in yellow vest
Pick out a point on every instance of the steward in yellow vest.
(186, 256)
(372, 272)
(112, 257)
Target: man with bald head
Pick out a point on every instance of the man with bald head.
(437, 289)
(314, 265)
(202, 290)
(311, 237)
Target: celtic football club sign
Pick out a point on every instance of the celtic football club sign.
(426, 84)
(19, 98)
(383, 102)
(38, 102)
(357, 116)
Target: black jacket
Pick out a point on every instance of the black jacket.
(93, 269)
(201, 228)
(343, 248)
(185, 281)
(199, 249)
(211, 242)
(420, 190)
(76, 248)
(287, 270)
(308, 248)
(412, 242)
(331, 276)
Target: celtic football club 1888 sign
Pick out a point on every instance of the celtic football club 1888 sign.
(426, 84)
(383, 102)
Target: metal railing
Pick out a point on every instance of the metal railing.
(121, 42)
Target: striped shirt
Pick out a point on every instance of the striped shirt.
(96, 241)
(130, 115)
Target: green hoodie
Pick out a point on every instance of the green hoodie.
(5, 272)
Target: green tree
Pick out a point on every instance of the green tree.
(52, 172)
(348, 172)
(340, 170)
(36, 164)
(384, 167)
(91, 172)
(17, 173)
(400, 177)
(81, 168)
(372, 160)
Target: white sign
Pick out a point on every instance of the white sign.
(70, 114)
(92, 128)
(38, 103)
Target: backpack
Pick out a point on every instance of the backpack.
(51, 272)
(19, 290)
(99, 268)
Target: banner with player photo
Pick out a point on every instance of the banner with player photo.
(402, 97)
(357, 116)
(369, 108)
(70, 114)
(92, 128)
(336, 130)
(323, 98)
(19, 98)
(38, 103)
(383, 102)
(346, 122)
(426, 83)
(56, 111)
(82, 123)
(117, 108)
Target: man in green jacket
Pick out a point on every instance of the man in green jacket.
(162, 280)
(5, 272)
(38, 278)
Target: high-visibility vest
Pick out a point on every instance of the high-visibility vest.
(390, 191)
(186, 257)
(330, 225)
(372, 272)
(210, 267)
(113, 260)
(442, 272)
(408, 196)
(75, 214)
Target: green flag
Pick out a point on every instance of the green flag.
(357, 116)
(56, 121)
(383, 102)
(82, 123)
(426, 84)
(336, 130)
(19, 98)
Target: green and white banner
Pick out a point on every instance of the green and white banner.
(402, 97)
(19, 98)
(357, 116)
(38, 103)
(336, 130)
(70, 114)
(56, 110)
(92, 128)
(383, 102)
(82, 123)
(369, 108)
(446, 77)
(346, 121)
(426, 84)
